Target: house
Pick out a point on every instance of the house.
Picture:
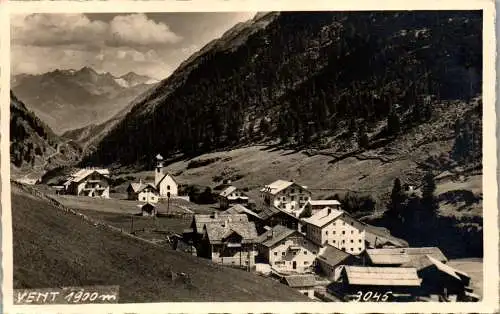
(165, 183)
(286, 195)
(367, 283)
(231, 196)
(240, 209)
(271, 216)
(148, 209)
(394, 257)
(89, 182)
(304, 283)
(199, 221)
(144, 192)
(287, 250)
(337, 228)
(331, 261)
(379, 237)
(229, 242)
(441, 280)
(317, 205)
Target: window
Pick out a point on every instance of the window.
(333, 231)
(334, 241)
(282, 253)
(359, 241)
(352, 231)
(314, 252)
(292, 198)
(352, 241)
(343, 231)
(275, 253)
(359, 249)
(300, 198)
(292, 190)
(326, 232)
(305, 252)
(144, 198)
(168, 187)
(284, 198)
(343, 241)
(352, 249)
(306, 262)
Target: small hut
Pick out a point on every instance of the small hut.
(148, 209)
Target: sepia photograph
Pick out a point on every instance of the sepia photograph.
(251, 156)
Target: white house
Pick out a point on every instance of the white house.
(89, 182)
(143, 192)
(230, 196)
(286, 195)
(337, 228)
(164, 182)
(287, 250)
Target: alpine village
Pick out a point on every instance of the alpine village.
(331, 157)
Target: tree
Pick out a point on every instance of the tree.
(395, 206)
(393, 123)
(429, 201)
(363, 140)
(306, 213)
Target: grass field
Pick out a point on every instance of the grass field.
(131, 223)
(53, 248)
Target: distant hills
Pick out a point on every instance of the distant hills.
(70, 99)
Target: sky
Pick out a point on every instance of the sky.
(152, 44)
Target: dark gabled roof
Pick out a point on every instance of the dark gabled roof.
(278, 233)
(384, 233)
(296, 281)
(202, 219)
(240, 209)
(269, 211)
(165, 175)
(217, 232)
(138, 187)
(333, 256)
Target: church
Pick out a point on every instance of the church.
(165, 186)
(164, 182)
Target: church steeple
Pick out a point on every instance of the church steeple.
(159, 169)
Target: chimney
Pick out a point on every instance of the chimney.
(270, 234)
(329, 210)
(214, 215)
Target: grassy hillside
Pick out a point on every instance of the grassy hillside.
(53, 248)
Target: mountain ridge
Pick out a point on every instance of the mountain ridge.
(71, 99)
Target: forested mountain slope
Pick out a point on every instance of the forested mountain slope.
(325, 79)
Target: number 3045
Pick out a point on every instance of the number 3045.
(370, 296)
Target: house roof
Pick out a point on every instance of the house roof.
(227, 191)
(167, 175)
(240, 209)
(332, 255)
(384, 233)
(296, 281)
(382, 276)
(218, 231)
(324, 202)
(203, 219)
(425, 261)
(324, 216)
(269, 211)
(275, 235)
(83, 173)
(278, 186)
(397, 256)
(139, 186)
